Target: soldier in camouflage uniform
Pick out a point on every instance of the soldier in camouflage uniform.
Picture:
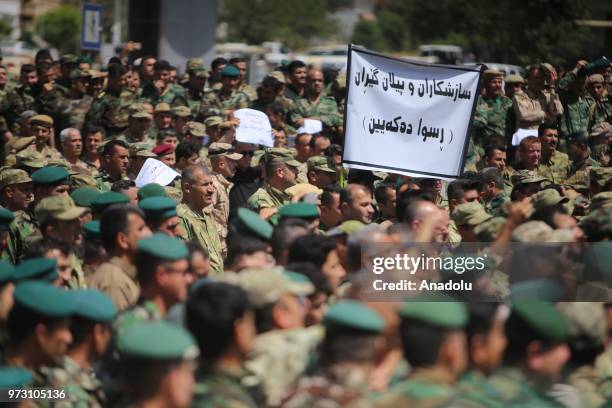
(578, 150)
(600, 109)
(195, 213)
(69, 110)
(314, 105)
(267, 93)
(116, 162)
(600, 138)
(139, 124)
(42, 128)
(22, 97)
(243, 87)
(110, 107)
(195, 87)
(160, 90)
(490, 119)
(493, 193)
(576, 108)
(221, 102)
(554, 165)
(16, 195)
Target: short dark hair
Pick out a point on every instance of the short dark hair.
(380, 193)
(327, 198)
(185, 150)
(42, 54)
(285, 233)
(39, 248)
(22, 321)
(271, 82)
(162, 65)
(92, 130)
(545, 126)
(26, 69)
(116, 70)
(276, 107)
(343, 345)
(109, 148)
(457, 188)
(333, 150)
(495, 145)
(404, 208)
(244, 246)
(421, 342)
(311, 248)
(492, 174)
(217, 62)
(295, 64)
(314, 274)
(236, 60)
(115, 219)
(43, 67)
(316, 137)
(121, 185)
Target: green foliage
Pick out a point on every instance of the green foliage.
(293, 23)
(61, 28)
(370, 35)
(5, 28)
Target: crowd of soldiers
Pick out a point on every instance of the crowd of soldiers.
(241, 283)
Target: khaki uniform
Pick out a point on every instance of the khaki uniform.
(267, 197)
(104, 181)
(248, 91)
(578, 173)
(117, 279)
(530, 108)
(221, 207)
(202, 228)
(325, 109)
(555, 168)
(49, 152)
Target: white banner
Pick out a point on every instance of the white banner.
(254, 127)
(154, 171)
(407, 117)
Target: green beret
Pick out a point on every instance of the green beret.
(45, 299)
(15, 377)
(536, 321)
(94, 305)
(92, 229)
(437, 310)
(597, 65)
(299, 210)
(597, 260)
(164, 247)
(547, 290)
(351, 314)
(158, 207)
(151, 190)
(44, 269)
(156, 341)
(230, 71)
(6, 218)
(252, 222)
(105, 200)
(7, 272)
(84, 196)
(50, 175)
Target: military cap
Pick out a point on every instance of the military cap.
(162, 107)
(79, 180)
(42, 120)
(230, 71)
(213, 121)
(265, 286)
(158, 207)
(279, 76)
(601, 200)
(199, 72)
(7, 272)
(141, 149)
(59, 162)
(514, 79)
(600, 175)
(6, 218)
(597, 65)
(280, 155)
(251, 221)
(68, 59)
(532, 231)
(601, 129)
(92, 229)
(303, 188)
(543, 290)
(587, 323)
(578, 137)
(321, 163)
(84, 196)
(163, 149)
(470, 213)
(138, 110)
(489, 74)
(196, 129)
(353, 315)
(60, 208)
(79, 73)
(536, 321)
(346, 228)
(15, 377)
(181, 111)
(17, 144)
(151, 190)
(8, 177)
(156, 341)
(50, 175)
(547, 198)
(45, 299)
(340, 81)
(595, 79)
(599, 221)
(223, 150)
(438, 310)
(193, 63)
(30, 158)
(94, 305)
(299, 210)
(163, 246)
(105, 200)
(37, 269)
(488, 231)
(526, 177)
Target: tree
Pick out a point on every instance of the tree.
(61, 28)
(370, 35)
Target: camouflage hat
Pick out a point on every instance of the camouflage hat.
(601, 129)
(302, 189)
(532, 231)
(598, 222)
(141, 149)
(162, 107)
(59, 162)
(79, 180)
(321, 163)
(587, 323)
(601, 200)
(265, 286)
(514, 79)
(595, 79)
(199, 72)
(213, 121)
(578, 137)
(17, 144)
(42, 120)
(181, 111)
(138, 110)
(535, 321)
(489, 74)
(9, 176)
(193, 63)
(223, 150)
(79, 73)
(526, 177)
(196, 129)
(600, 175)
(279, 76)
(471, 213)
(547, 198)
(340, 81)
(489, 230)
(30, 158)
(60, 208)
(280, 155)
(68, 59)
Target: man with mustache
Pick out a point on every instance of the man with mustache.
(553, 163)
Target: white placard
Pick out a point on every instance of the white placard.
(407, 117)
(254, 127)
(311, 126)
(154, 171)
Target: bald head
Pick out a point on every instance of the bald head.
(314, 82)
(420, 211)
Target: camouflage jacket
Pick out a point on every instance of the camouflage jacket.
(325, 110)
(110, 110)
(578, 174)
(202, 228)
(588, 382)
(175, 95)
(221, 207)
(143, 311)
(83, 389)
(70, 112)
(491, 116)
(222, 388)
(555, 168)
(19, 100)
(266, 197)
(493, 207)
(216, 102)
(248, 91)
(513, 388)
(600, 110)
(193, 99)
(601, 153)
(104, 181)
(23, 231)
